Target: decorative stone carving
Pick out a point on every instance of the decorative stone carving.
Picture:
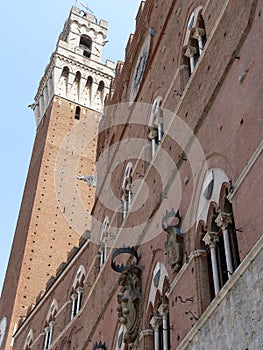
(174, 246)
(223, 220)
(190, 51)
(211, 239)
(129, 300)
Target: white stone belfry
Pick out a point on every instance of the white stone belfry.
(76, 71)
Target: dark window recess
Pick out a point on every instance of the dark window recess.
(77, 113)
(101, 86)
(86, 44)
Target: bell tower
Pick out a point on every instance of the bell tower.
(56, 205)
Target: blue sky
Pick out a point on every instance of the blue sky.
(29, 31)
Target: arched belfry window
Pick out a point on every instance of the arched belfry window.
(65, 72)
(195, 39)
(86, 45)
(101, 86)
(156, 124)
(77, 113)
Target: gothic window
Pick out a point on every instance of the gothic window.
(195, 39)
(86, 45)
(29, 340)
(160, 323)
(223, 247)
(49, 325)
(77, 113)
(77, 291)
(104, 241)
(156, 125)
(126, 190)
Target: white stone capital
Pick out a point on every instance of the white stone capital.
(163, 309)
(198, 33)
(190, 51)
(211, 238)
(155, 322)
(223, 220)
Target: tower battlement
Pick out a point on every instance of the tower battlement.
(75, 71)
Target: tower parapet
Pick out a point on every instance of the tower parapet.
(75, 71)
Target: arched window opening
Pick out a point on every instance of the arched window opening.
(77, 113)
(195, 39)
(89, 82)
(65, 72)
(86, 45)
(77, 77)
(77, 292)
(156, 125)
(101, 86)
(223, 247)
(126, 190)
(49, 325)
(160, 323)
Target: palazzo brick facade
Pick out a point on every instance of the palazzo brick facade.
(170, 256)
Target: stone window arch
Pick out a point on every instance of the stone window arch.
(156, 124)
(77, 291)
(86, 44)
(29, 340)
(49, 324)
(195, 39)
(126, 189)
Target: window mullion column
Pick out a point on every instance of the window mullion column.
(197, 34)
(190, 52)
(211, 239)
(163, 311)
(79, 296)
(74, 298)
(222, 221)
(155, 323)
(46, 338)
(51, 328)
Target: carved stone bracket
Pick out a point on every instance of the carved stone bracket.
(129, 300)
